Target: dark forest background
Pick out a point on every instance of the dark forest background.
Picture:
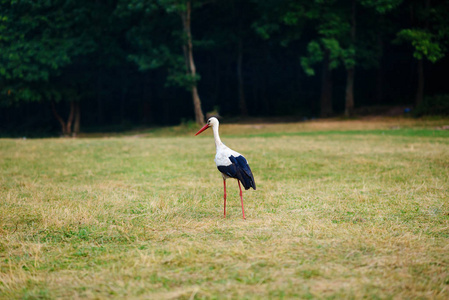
(98, 65)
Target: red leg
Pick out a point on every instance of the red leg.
(241, 199)
(224, 195)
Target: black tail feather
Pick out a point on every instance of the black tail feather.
(247, 180)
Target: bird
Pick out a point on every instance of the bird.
(230, 163)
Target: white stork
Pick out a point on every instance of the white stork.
(230, 163)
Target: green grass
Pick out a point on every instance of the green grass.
(342, 210)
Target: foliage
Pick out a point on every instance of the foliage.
(152, 49)
(433, 105)
(316, 49)
(37, 40)
(381, 6)
(424, 43)
(430, 31)
(334, 26)
(283, 18)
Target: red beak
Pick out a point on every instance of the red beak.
(202, 129)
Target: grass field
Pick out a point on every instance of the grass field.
(342, 210)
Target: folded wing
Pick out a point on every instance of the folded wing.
(240, 170)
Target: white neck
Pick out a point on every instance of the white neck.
(216, 136)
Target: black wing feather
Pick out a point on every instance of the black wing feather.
(230, 170)
(240, 170)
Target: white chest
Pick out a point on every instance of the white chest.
(223, 154)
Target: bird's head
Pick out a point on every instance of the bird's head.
(210, 123)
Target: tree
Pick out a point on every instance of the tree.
(282, 22)
(338, 42)
(335, 24)
(39, 39)
(324, 49)
(428, 35)
(231, 41)
(185, 11)
(160, 52)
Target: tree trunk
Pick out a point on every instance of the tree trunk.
(146, 99)
(420, 90)
(264, 83)
(199, 117)
(380, 72)
(349, 106)
(217, 83)
(59, 118)
(70, 119)
(326, 88)
(66, 127)
(76, 125)
(122, 105)
(242, 100)
(190, 63)
(99, 99)
(379, 86)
